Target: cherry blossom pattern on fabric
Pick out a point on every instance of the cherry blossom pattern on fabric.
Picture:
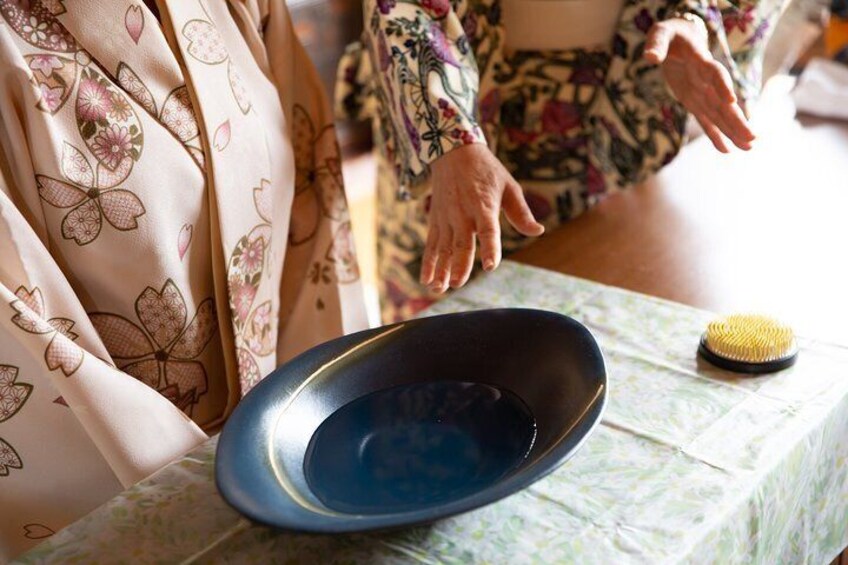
(207, 46)
(162, 349)
(54, 77)
(319, 192)
(184, 239)
(134, 22)
(36, 23)
(91, 195)
(252, 323)
(13, 395)
(177, 112)
(223, 134)
(106, 121)
(31, 316)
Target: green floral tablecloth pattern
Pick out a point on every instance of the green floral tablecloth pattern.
(691, 465)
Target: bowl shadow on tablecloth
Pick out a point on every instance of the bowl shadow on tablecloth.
(269, 545)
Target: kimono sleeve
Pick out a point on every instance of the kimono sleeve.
(74, 429)
(428, 78)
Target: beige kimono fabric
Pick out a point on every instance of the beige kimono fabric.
(172, 227)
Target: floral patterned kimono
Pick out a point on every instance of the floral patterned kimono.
(172, 228)
(571, 126)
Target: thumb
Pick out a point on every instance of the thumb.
(656, 45)
(518, 213)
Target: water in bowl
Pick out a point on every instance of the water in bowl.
(416, 446)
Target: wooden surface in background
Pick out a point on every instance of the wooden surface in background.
(761, 231)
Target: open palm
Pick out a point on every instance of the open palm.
(699, 82)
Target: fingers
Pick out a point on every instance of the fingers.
(489, 234)
(455, 258)
(713, 133)
(736, 120)
(735, 130)
(713, 73)
(657, 43)
(444, 249)
(728, 118)
(718, 112)
(699, 82)
(468, 197)
(431, 256)
(463, 256)
(518, 213)
(722, 101)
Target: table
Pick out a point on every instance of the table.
(765, 230)
(690, 464)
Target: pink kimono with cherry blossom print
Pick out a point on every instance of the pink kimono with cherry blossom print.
(172, 228)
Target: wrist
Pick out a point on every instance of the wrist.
(459, 151)
(692, 20)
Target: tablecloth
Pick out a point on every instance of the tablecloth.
(691, 464)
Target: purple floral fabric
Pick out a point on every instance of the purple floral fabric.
(571, 126)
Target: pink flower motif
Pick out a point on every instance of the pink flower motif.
(595, 183)
(586, 74)
(254, 343)
(411, 132)
(93, 100)
(121, 110)
(539, 205)
(184, 239)
(441, 46)
(643, 20)
(668, 117)
(45, 64)
(489, 106)
(383, 49)
(111, 145)
(386, 6)
(462, 135)
(243, 294)
(51, 97)
(222, 136)
(262, 317)
(134, 22)
(738, 19)
(560, 117)
(469, 25)
(437, 8)
(253, 254)
(521, 137)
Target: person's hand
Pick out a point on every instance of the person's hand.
(698, 81)
(469, 187)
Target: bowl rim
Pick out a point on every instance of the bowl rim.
(336, 522)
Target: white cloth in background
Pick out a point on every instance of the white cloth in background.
(822, 90)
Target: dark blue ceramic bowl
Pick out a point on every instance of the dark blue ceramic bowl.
(413, 422)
